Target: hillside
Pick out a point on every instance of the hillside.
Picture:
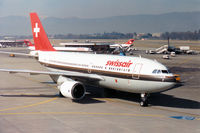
(183, 21)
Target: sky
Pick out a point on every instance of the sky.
(94, 8)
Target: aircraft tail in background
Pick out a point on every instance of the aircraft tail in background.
(130, 41)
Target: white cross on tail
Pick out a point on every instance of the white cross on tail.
(36, 30)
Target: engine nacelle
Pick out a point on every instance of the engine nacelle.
(72, 89)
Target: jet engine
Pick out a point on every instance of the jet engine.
(72, 89)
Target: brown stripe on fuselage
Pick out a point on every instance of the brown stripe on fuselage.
(112, 74)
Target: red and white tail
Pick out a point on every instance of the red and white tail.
(40, 38)
(130, 41)
(28, 42)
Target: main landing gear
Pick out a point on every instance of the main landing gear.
(144, 100)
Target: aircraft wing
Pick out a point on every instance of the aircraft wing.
(14, 53)
(75, 75)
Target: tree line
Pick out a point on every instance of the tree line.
(181, 35)
(105, 35)
(117, 35)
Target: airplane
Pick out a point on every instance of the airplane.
(72, 70)
(94, 43)
(103, 47)
(124, 45)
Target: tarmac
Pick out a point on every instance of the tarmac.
(30, 104)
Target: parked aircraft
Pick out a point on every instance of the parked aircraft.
(124, 45)
(102, 47)
(72, 71)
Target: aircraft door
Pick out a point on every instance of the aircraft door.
(136, 71)
(90, 67)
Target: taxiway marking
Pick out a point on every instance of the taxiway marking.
(84, 113)
(31, 105)
(89, 113)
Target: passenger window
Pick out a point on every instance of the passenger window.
(165, 71)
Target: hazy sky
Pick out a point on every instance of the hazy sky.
(95, 8)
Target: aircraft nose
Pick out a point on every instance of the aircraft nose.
(177, 78)
(170, 79)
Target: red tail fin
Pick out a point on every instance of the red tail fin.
(40, 38)
(130, 41)
(28, 42)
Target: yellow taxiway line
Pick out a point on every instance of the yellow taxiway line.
(31, 105)
(84, 113)
(89, 113)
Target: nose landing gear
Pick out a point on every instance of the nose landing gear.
(144, 100)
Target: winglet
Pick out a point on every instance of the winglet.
(40, 38)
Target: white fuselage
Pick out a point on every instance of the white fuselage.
(131, 74)
(119, 45)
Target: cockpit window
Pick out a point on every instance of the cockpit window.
(159, 71)
(164, 71)
(154, 71)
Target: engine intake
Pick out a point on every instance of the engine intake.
(72, 89)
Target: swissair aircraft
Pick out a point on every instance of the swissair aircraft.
(124, 45)
(72, 71)
(112, 46)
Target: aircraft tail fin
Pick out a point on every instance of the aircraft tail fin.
(28, 42)
(40, 38)
(130, 41)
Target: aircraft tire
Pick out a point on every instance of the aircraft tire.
(143, 103)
